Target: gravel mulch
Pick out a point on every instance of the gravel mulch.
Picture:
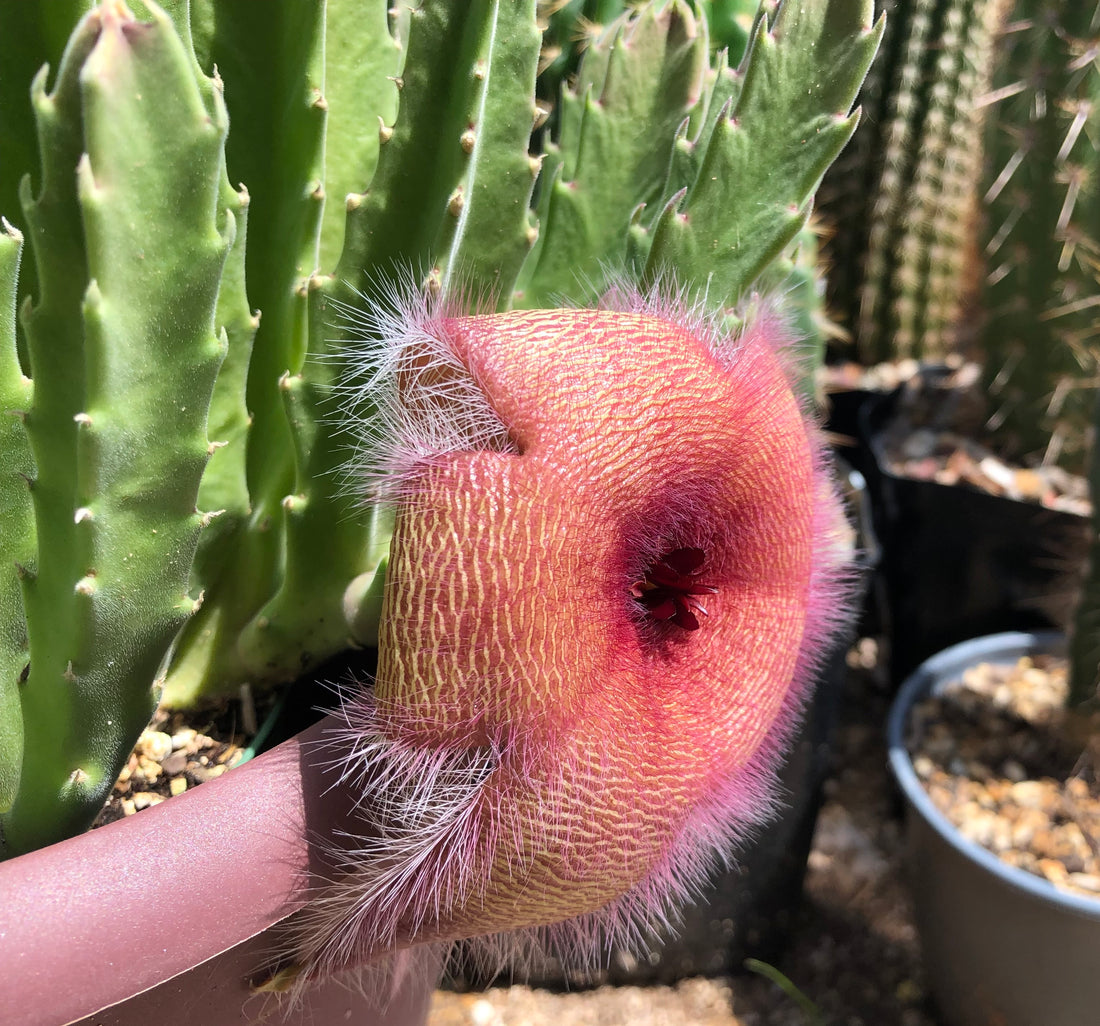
(1002, 758)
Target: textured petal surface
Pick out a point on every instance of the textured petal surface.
(541, 744)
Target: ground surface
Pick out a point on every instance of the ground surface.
(854, 953)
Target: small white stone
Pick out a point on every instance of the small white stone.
(155, 744)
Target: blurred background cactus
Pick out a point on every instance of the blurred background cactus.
(964, 218)
(173, 516)
(902, 202)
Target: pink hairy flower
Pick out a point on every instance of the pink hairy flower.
(616, 561)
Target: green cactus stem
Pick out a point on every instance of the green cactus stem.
(720, 235)
(1042, 236)
(645, 68)
(454, 177)
(31, 34)
(342, 82)
(123, 357)
(923, 211)
(16, 521)
(315, 555)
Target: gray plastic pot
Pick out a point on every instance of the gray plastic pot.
(166, 917)
(1001, 947)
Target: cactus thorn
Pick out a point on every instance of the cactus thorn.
(534, 164)
(398, 81)
(532, 234)
(83, 419)
(318, 192)
(78, 778)
(467, 140)
(86, 585)
(456, 202)
(293, 503)
(82, 514)
(319, 102)
(69, 675)
(479, 71)
(353, 200)
(384, 131)
(24, 674)
(539, 115)
(212, 447)
(210, 516)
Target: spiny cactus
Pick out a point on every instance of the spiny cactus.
(902, 201)
(122, 354)
(1042, 239)
(146, 283)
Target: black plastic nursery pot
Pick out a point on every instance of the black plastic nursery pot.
(960, 563)
(1001, 947)
(169, 916)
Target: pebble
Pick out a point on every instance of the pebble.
(923, 766)
(1089, 882)
(200, 774)
(177, 785)
(155, 745)
(1029, 794)
(175, 763)
(143, 799)
(183, 739)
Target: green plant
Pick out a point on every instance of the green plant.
(902, 202)
(174, 351)
(1042, 232)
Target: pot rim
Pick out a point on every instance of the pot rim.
(932, 674)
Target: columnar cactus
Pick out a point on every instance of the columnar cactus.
(903, 201)
(1043, 232)
(171, 362)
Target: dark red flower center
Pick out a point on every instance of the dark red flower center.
(671, 589)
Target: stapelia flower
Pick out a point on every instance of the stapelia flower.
(617, 558)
